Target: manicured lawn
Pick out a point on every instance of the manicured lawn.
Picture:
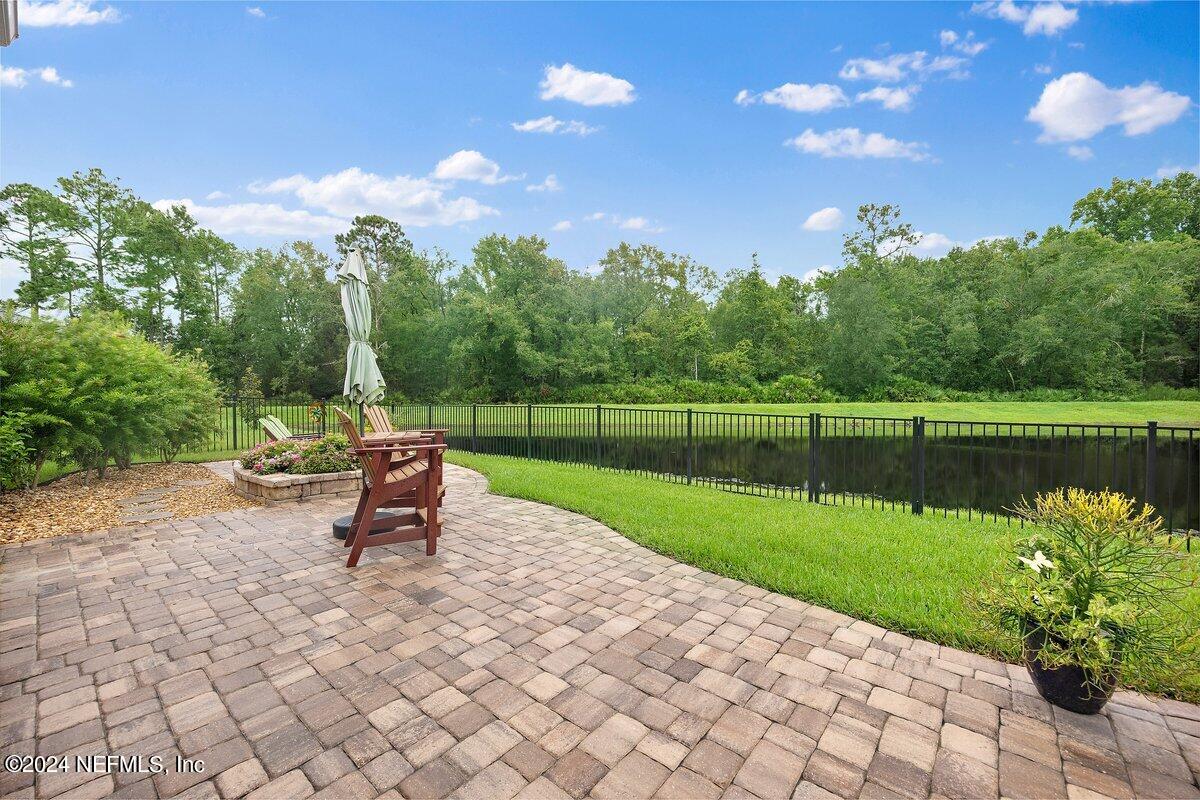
(1180, 412)
(906, 573)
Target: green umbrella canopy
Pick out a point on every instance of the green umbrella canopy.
(364, 383)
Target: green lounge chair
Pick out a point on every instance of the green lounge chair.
(276, 431)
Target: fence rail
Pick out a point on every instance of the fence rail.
(925, 466)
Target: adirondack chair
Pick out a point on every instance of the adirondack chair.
(381, 426)
(276, 431)
(403, 472)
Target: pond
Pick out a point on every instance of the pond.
(974, 474)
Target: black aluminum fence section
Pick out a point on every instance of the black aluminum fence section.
(976, 470)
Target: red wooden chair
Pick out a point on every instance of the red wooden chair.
(381, 427)
(403, 472)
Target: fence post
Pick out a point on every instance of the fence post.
(234, 418)
(918, 465)
(691, 445)
(599, 434)
(429, 416)
(1151, 462)
(814, 460)
(529, 430)
(474, 424)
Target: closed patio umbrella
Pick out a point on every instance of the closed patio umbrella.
(364, 383)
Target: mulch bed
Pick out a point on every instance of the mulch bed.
(69, 506)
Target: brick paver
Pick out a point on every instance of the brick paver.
(539, 654)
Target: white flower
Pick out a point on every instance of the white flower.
(1038, 561)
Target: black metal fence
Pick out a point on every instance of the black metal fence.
(952, 468)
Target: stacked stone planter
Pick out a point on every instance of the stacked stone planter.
(281, 487)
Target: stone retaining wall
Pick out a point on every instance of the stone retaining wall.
(271, 489)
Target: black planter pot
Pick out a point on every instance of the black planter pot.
(1068, 686)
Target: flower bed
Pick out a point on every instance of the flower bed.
(301, 457)
(298, 469)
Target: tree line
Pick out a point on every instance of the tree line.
(1106, 305)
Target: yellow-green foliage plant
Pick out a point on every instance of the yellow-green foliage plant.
(1097, 585)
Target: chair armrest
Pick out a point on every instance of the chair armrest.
(392, 448)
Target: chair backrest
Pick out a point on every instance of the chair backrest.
(274, 427)
(378, 417)
(351, 431)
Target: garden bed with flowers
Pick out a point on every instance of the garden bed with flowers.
(298, 469)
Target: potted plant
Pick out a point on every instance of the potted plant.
(1093, 595)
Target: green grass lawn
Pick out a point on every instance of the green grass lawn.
(906, 573)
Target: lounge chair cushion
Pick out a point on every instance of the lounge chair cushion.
(275, 427)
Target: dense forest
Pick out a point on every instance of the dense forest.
(1106, 305)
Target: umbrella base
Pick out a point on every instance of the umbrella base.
(341, 525)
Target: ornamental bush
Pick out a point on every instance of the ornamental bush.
(1098, 580)
(301, 457)
(93, 392)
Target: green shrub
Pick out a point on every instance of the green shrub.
(798, 389)
(93, 391)
(16, 462)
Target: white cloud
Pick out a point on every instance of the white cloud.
(217, 195)
(853, 143)
(258, 219)
(1077, 106)
(827, 219)
(1080, 152)
(13, 77)
(471, 165)
(1042, 69)
(50, 75)
(418, 202)
(18, 77)
(563, 225)
(1047, 19)
(927, 245)
(967, 45)
(587, 88)
(891, 98)
(65, 13)
(640, 224)
(797, 97)
(899, 66)
(551, 184)
(1171, 170)
(817, 272)
(551, 124)
(255, 11)
(625, 223)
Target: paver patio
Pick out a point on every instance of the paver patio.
(539, 654)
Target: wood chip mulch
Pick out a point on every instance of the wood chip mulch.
(69, 506)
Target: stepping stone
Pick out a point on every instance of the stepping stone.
(149, 516)
(192, 484)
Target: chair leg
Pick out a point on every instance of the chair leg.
(361, 533)
(431, 511)
(358, 514)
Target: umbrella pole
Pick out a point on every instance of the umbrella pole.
(361, 428)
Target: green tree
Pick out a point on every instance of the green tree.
(94, 229)
(1138, 210)
(30, 221)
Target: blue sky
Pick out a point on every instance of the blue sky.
(709, 129)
